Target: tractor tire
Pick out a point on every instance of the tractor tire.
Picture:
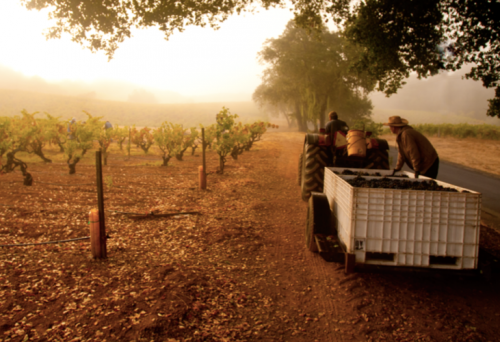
(318, 219)
(314, 160)
(377, 159)
(301, 161)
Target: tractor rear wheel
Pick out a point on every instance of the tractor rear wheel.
(377, 159)
(301, 161)
(314, 160)
(318, 219)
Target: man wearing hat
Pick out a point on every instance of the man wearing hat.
(414, 149)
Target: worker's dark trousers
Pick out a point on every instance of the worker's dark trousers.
(433, 170)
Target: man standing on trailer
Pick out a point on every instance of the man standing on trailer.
(335, 124)
(414, 149)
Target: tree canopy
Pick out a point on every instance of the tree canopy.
(309, 74)
(398, 37)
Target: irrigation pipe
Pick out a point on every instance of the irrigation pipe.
(46, 243)
(80, 184)
(153, 214)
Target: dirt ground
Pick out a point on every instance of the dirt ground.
(236, 269)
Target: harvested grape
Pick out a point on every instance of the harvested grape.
(390, 183)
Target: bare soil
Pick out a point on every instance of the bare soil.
(237, 270)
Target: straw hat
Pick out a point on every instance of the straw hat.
(396, 121)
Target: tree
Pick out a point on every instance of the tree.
(142, 138)
(255, 132)
(168, 137)
(224, 141)
(58, 131)
(188, 140)
(240, 136)
(5, 139)
(309, 74)
(80, 140)
(120, 134)
(210, 135)
(39, 133)
(426, 37)
(397, 36)
(17, 134)
(104, 138)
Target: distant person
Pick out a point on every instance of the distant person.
(335, 124)
(414, 149)
(71, 129)
(108, 125)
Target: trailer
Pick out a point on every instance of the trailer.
(393, 227)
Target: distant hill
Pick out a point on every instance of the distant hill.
(110, 90)
(123, 113)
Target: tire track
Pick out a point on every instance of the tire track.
(320, 273)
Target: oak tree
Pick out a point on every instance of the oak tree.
(397, 37)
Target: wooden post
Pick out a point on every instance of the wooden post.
(203, 150)
(203, 178)
(202, 169)
(95, 234)
(129, 143)
(101, 253)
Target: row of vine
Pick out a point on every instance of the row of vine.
(25, 133)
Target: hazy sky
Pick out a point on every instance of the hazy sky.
(197, 61)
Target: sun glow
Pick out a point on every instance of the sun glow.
(197, 61)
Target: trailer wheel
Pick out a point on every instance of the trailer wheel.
(315, 159)
(318, 219)
(377, 159)
(301, 161)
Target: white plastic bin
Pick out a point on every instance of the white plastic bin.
(432, 229)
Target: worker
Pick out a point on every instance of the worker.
(71, 129)
(108, 125)
(414, 149)
(335, 124)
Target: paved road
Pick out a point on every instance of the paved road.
(488, 186)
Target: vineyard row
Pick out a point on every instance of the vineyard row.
(27, 133)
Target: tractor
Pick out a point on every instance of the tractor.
(340, 147)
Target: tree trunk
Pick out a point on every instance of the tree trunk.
(41, 155)
(61, 147)
(166, 159)
(179, 155)
(222, 160)
(237, 151)
(300, 120)
(72, 166)
(288, 120)
(322, 114)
